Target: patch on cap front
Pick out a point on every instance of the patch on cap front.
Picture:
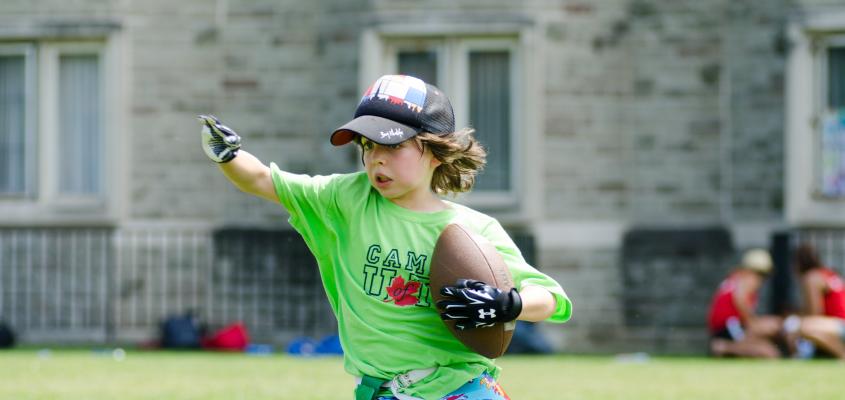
(394, 109)
(398, 90)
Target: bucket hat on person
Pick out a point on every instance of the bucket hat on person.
(396, 108)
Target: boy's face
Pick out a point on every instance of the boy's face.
(400, 172)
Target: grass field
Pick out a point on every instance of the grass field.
(92, 375)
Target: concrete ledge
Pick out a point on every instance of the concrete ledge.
(58, 28)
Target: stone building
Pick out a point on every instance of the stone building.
(637, 146)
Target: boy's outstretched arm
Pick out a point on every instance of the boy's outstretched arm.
(250, 175)
(223, 146)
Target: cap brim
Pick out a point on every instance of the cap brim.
(378, 129)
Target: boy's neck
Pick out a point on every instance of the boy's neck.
(424, 203)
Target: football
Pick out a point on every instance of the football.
(461, 254)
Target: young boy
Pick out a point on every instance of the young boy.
(373, 234)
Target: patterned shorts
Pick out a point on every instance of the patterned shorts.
(482, 388)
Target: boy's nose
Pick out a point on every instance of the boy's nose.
(376, 159)
(378, 155)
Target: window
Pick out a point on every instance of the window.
(489, 110)
(421, 64)
(52, 129)
(17, 147)
(836, 76)
(479, 77)
(80, 132)
(815, 117)
(832, 160)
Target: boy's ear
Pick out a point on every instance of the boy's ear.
(422, 146)
(435, 162)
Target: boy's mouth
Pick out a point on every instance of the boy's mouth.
(382, 180)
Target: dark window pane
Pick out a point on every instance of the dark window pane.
(80, 155)
(12, 116)
(490, 115)
(836, 77)
(420, 64)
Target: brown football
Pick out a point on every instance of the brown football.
(461, 254)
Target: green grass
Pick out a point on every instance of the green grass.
(92, 375)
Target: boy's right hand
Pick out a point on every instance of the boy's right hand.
(220, 142)
(475, 304)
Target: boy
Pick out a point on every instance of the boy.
(373, 234)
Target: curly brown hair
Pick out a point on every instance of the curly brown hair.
(461, 158)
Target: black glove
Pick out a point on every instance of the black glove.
(220, 142)
(475, 304)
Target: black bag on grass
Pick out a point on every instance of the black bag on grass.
(181, 332)
(7, 336)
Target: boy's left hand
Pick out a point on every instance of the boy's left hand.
(475, 304)
(220, 143)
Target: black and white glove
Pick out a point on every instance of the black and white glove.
(475, 304)
(220, 142)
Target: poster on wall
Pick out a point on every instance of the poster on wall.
(833, 153)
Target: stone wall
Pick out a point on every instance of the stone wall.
(656, 113)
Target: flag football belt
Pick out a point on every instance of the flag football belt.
(368, 386)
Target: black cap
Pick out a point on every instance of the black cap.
(396, 108)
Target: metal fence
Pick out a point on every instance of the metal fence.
(784, 291)
(108, 285)
(829, 243)
(99, 284)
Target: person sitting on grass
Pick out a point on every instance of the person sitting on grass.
(823, 320)
(735, 328)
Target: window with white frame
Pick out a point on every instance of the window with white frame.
(815, 119)
(52, 141)
(480, 77)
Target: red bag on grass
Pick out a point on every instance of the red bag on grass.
(233, 337)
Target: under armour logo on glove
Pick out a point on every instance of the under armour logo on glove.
(219, 142)
(475, 304)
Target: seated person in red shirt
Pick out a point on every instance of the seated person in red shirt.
(735, 329)
(823, 292)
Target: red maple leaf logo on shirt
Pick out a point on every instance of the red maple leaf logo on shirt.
(403, 293)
